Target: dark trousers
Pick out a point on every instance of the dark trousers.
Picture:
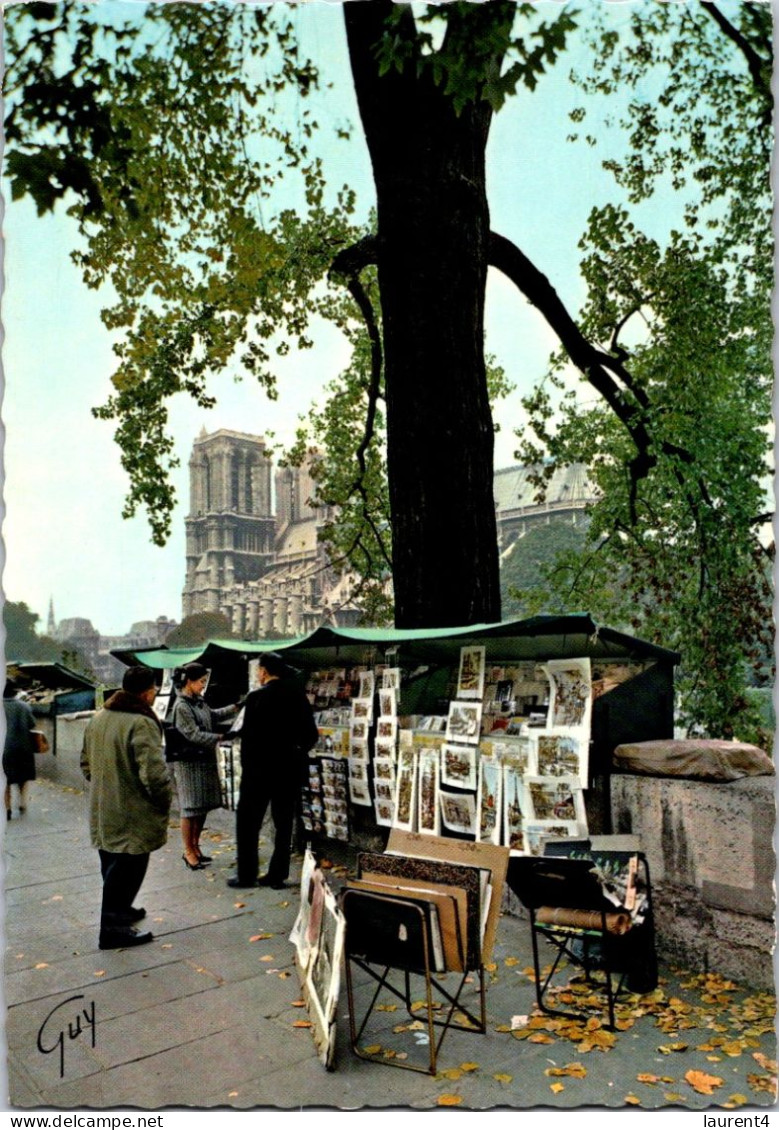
(122, 877)
(250, 812)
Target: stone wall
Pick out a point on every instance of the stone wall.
(712, 863)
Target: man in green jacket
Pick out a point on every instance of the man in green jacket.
(129, 801)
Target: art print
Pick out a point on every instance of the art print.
(458, 766)
(428, 816)
(384, 812)
(570, 699)
(463, 723)
(384, 769)
(558, 755)
(513, 810)
(537, 834)
(470, 681)
(388, 702)
(489, 801)
(358, 750)
(384, 789)
(359, 730)
(362, 710)
(390, 679)
(367, 684)
(358, 769)
(384, 748)
(359, 792)
(386, 729)
(555, 798)
(458, 812)
(405, 797)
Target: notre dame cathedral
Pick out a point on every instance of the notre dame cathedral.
(266, 571)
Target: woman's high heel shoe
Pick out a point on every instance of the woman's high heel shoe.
(193, 866)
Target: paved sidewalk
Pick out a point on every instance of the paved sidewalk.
(203, 1016)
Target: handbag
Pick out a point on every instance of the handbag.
(41, 742)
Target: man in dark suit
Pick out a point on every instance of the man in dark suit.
(277, 733)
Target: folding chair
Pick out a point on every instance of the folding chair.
(392, 933)
(569, 910)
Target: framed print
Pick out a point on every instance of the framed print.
(388, 702)
(458, 812)
(458, 766)
(555, 798)
(358, 769)
(470, 681)
(513, 810)
(488, 801)
(384, 769)
(384, 789)
(405, 796)
(428, 815)
(464, 722)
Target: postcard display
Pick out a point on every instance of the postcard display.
(501, 767)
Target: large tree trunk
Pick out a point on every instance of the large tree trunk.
(433, 239)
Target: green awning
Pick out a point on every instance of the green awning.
(537, 639)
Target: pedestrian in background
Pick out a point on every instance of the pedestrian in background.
(194, 753)
(19, 748)
(278, 731)
(129, 801)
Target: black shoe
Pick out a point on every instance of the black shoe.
(206, 858)
(236, 882)
(134, 914)
(274, 884)
(122, 937)
(193, 866)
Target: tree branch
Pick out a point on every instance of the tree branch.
(755, 62)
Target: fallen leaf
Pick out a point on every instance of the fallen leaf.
(733, 1048)
(449, 1100)
(503, 1078)
(511, 961)
(452, 1073)
(632, 1100)
(556, 1088)
(672, 1097)
(646, 1078)
(167, 945)
(298, 1004)
(267, 957)
(232, 1094)
(285, 973)
(42, 965)
(540, 1038)
(100, 973)
(490, 967)
(766, 1063)
(702, 1083)
(373, 1049)
(666, 1049)
(576, 1070)
(259, 937)
(737, 1100)
(765, 1084)
(302, 1024)
(469, 1067)
(238, 905)
(402, 1055)
(386, 1008)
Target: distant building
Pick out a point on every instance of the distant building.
(568, 494)
(79, 635)
(267, 571)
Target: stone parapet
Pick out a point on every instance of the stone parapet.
(712, 863)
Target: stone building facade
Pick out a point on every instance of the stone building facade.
(265, 569)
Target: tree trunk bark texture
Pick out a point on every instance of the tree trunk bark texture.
(433, 243)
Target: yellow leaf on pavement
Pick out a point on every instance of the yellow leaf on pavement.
(503, 1078)
(632, 1100)
(469, 1067)
(702, 1083)
(557, 1087)
(449, 1100)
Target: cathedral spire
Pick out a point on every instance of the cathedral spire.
(51, 626)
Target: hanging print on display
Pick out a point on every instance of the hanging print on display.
(470, 683)
(405, 795)
(513, 815)
(428, 816)
(488, 801)
(388, 702)
(558, 755)
(555, 798)
(464, 722)
(570, 698)
(458, 766)
(458, 812)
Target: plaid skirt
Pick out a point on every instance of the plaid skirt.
(197, 786)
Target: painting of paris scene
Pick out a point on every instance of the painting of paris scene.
(570, 692)
(428, 817)
(513, 818)
(458, 766)
(558, 756)
(554, 799)
(463, 722)
(470, 683)
(488, 801)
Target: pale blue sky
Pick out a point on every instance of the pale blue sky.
(64, 488)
